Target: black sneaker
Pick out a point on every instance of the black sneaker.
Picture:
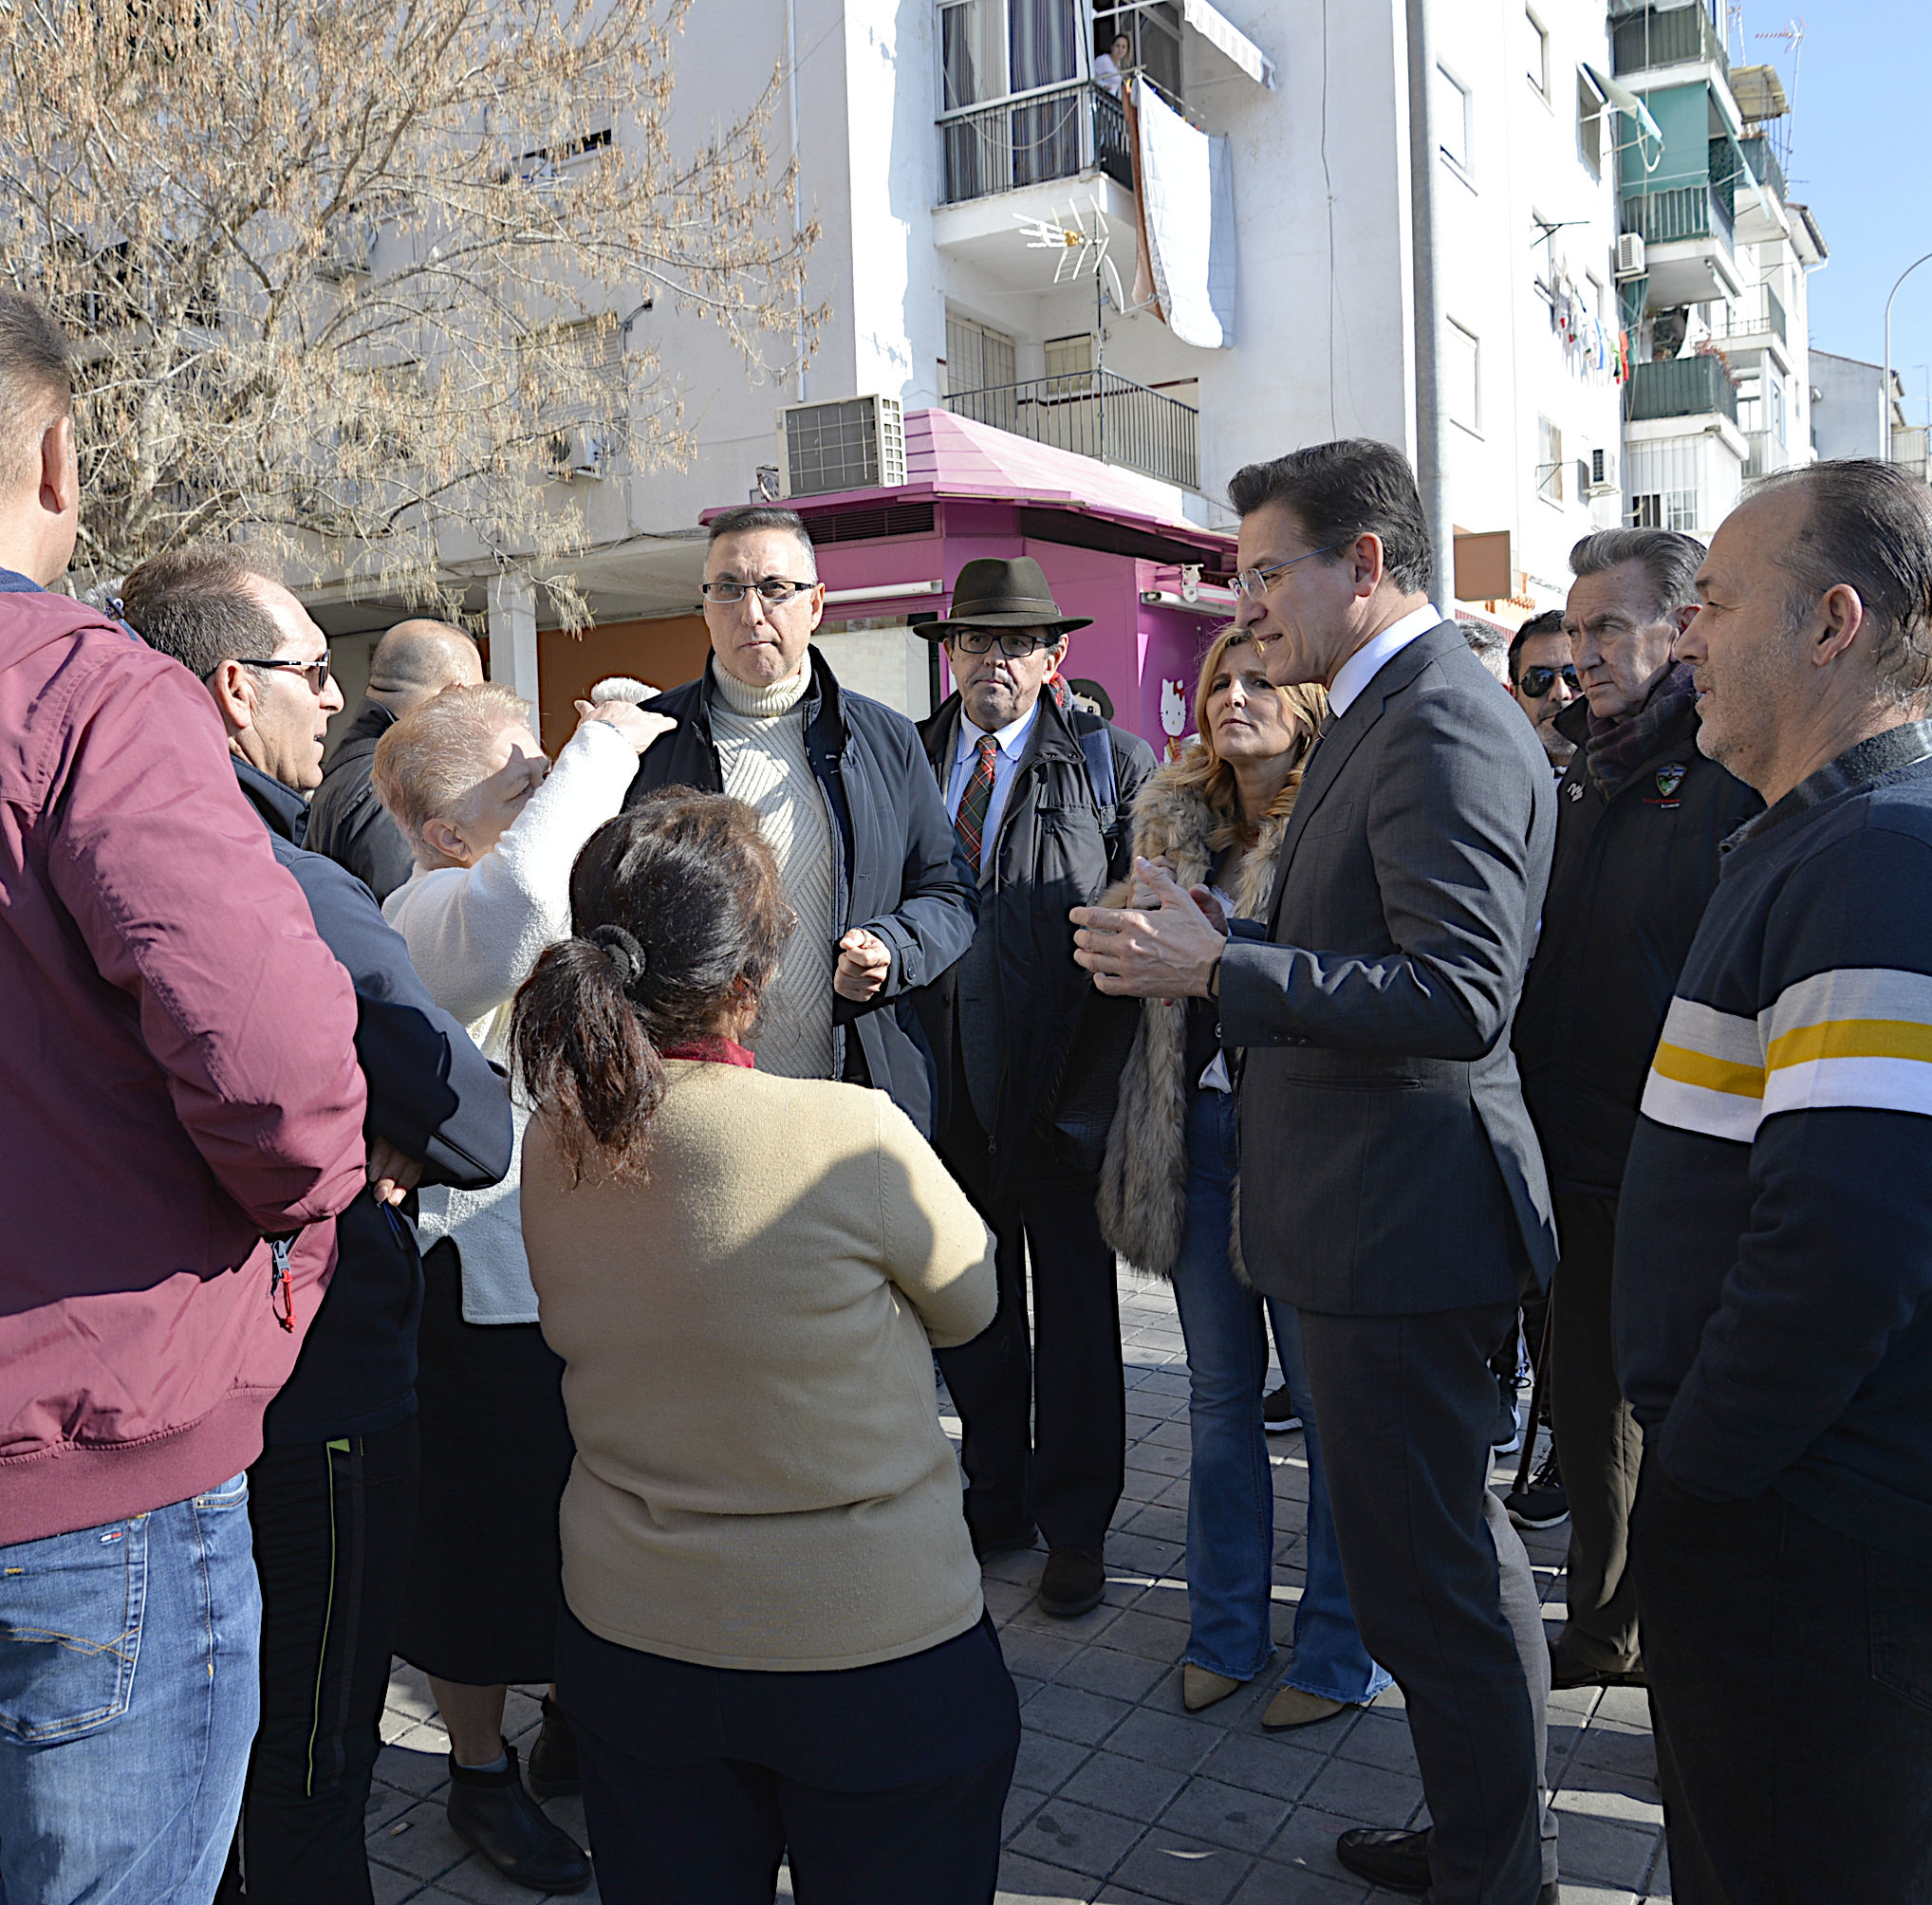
(1543, 1504)
(1507, 1437)
(1278, 1413)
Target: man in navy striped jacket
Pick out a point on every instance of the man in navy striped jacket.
(1773, 1262)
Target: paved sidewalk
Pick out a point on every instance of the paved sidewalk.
(1121, 1796)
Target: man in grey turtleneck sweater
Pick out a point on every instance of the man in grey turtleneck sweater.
(865, 849)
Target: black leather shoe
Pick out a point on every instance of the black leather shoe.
(1398, 1861)
(990, 1541)
(1074, 1580)
(553, 1756)
(492, 1814)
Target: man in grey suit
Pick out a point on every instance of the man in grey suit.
(1392, 1188)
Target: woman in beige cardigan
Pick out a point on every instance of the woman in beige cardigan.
(1216, 817)
(774, 1636)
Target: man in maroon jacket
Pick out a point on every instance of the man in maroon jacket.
(181, 1118)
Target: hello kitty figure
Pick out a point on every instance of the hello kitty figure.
(1172, 715)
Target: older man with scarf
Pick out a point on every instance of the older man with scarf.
(1639, 816)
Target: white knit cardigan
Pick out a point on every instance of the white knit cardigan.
(473, 934)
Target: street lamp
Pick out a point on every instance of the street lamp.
(1885, 395)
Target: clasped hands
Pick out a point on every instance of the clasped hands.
(865, 964)
(1164, 946)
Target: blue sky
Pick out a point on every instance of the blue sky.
(1858, 157)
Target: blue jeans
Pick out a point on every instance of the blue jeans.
(1230, 1495)
(128, 1696)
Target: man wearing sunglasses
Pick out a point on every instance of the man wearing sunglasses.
(1641, 813)
(1543, 681)
(866, 856)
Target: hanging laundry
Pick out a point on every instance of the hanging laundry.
(1183, 185)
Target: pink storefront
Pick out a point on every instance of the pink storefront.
(1109, 541)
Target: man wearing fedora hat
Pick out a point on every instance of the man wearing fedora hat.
(1039, 791)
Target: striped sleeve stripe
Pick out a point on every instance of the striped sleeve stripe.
(1708, 1074)
(1856, 1037)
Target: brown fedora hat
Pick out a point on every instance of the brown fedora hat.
(1003, 592)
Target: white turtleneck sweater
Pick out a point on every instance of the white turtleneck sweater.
(760, 738)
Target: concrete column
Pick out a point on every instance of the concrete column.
(514, 636)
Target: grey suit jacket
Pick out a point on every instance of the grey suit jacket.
(1387, 1163)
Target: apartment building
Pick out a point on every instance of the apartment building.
(1071, 294)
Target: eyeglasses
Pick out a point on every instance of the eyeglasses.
(1015, 645)
(772, 589)
(1536, 682)
(1254, 584)
(314, 672)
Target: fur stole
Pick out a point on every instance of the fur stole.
(1143, 1202)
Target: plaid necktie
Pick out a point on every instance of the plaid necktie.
(970, 824)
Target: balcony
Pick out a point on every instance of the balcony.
(1685, 386)
(1689, 243)
(1653, 37)
(1765, 453)
(1099, 414)
(1065, 132)
(1759, 312)
(1764, 166)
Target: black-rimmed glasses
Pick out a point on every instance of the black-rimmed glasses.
(1254, 584)
(1015, 643)
(772, 589)
(1537, 682)
(314, 672)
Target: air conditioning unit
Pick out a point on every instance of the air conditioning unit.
(574, 451)
(1603, 473)
(857, 443)
(348, 251)
(1630, 254)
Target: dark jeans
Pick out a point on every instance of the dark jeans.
(1790, 1685)
(1596, 1436)
(333, 1525)
(1046, 1426)
(1406, 1405)
(884, 1783)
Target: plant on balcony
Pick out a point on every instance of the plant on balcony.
(348, 277)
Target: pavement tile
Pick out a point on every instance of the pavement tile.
(1593, 1894)
(1595, 1792)
(1040, 1652)
(1021, 1805)
(419, 1841)
(1628, 1705)
(1167, 1739)
(1604, 1851)
(386, 1802)
(1045, 1763)
(1365, 1793)
(1140, 1631)
(1025, 1881)
(1185, 1871)
(414, 1772)
(1226, 1815)
(1137, 1789)
(1616, 1749)
(1152, 1459)
(1143, 1485)
(392, 1887)
(1157, 1521)
(1146, 1554)
(1069, 1714)
(1659, 1884)
(1380, 1740)
(1266, 1765)
(1108, 1670)
(1295, 1885)
(1080, 1838)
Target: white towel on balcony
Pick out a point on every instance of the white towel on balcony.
(1185, 180)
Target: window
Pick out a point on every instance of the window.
(977, 357)
(1538, 50)
(1462, 376)
(1549, 461)
(1589, 123)
(1154, 27)
(1664, 510)
(1452, 119)
(1070, 365)
(972, 52)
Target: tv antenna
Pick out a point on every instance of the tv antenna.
(1078, 242)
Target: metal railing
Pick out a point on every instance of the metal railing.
(1666, 37)
(1759, 309)
(1764, 166)
(1683, 211)
(1060, 132)
(1095, 413)
(1685, 386)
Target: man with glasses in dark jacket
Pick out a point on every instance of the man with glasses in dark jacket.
(866, 857)
(1543, 681)
(1639, 817)
(332, 1499)
(1040, 795)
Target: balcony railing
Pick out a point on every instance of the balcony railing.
(1759, 309)
(1764, 454)
(1684, 212)
(1060, 132)
(1685, 386)
(1095, 413)
(1765, 168)
(1666, 37)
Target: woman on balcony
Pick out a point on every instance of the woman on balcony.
(1215, 818)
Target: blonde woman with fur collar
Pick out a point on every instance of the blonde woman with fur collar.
(1215, 818)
